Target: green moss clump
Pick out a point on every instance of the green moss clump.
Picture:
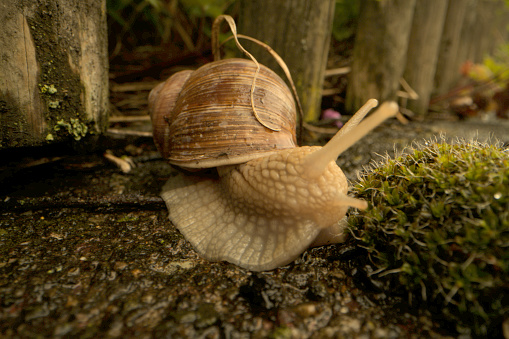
(437, 228)
(48, 89)
(74, 127)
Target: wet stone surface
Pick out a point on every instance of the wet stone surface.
(72, 272)
(87, 251)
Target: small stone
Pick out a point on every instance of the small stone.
(120, 265)
(148, 299)
(62, 330)
(56, 235)
(116, 329)
(71, 301)
(73, 271)
(305, 310)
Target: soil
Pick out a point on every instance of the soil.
(87, 251)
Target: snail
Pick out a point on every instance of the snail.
(247, 194)
(268, 200)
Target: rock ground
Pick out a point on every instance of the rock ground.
(87, 251)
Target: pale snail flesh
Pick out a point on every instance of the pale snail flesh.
(262, 211)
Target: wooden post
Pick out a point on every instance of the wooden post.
(379, 54)
(299, 31)
(447, 71)
(53, 71)
(485, 28)
(422, 55)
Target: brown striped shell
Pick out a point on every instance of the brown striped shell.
(204, 118)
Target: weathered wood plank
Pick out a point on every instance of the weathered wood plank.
(299, 31)
(379, 54)
(447, 70)
(53, 71)
(427, 25)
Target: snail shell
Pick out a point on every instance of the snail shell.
(204, 118)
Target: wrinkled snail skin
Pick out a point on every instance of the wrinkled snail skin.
(218, 231)
(268, 201)
(276, 186)
(258, 215)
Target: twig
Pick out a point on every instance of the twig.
(129, 118)
(118, 131)
(472, 87)
(125, 165)
(133, 86)
(330, 91)
(409, 92)
(336, 71)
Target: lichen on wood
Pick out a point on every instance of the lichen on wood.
(53, 67)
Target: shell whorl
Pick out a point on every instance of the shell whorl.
(161, 103)
(212, 122)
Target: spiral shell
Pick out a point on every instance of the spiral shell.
(204, 118)
(161, 102)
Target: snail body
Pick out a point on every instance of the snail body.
(268, 200)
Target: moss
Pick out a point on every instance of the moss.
(48, 89)
(128, 218)
(60, 85)
(74, 127)
(438, 228)
(54, 104)
(281, 332)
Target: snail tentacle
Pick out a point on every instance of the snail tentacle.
(358, 116)
(316, 162)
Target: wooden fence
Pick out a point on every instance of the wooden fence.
(424, 42)
(54, 65)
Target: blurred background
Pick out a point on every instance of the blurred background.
(449, 58)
